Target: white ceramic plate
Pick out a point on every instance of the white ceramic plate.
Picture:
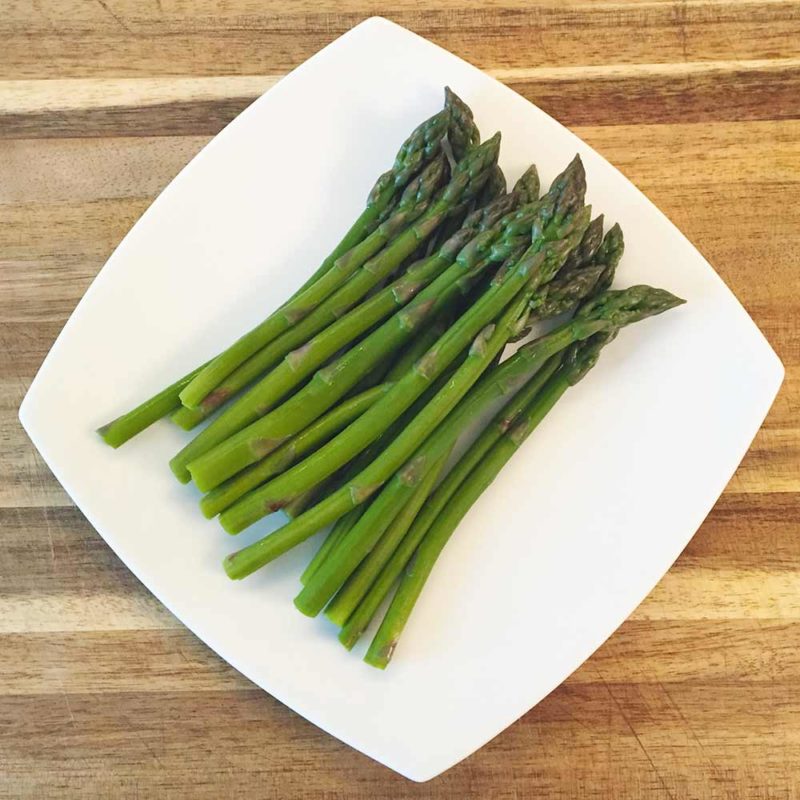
(552, 559)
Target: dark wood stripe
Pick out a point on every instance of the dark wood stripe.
(133, 41)
(605, 736)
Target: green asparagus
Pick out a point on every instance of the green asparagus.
(533, 269)
(494, 243)
(417, 216)
(423, 145)
(610, 310)
(580, 358)
(125, 427)
(317, 433)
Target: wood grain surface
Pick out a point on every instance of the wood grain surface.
(104, 694)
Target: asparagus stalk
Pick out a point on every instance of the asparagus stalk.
(414, 202)
(336, 310)
(316, 434)
(417, 348)
(125, 427)
(300, 503)
(318, 395)
(249, 407)
(300, 363)
(361, 596)
(356, 586)
(525, 191)
(383, 645)
(610, 310)
(377, 382)
(416, 218)
(494, 189)
(533, 269)
(364, 543)
(331, 541)
(423, 145)
(370, 479)
(503, 379)
(503, 441)
(585, 251)
(528, 185)
(494, 243)
(328, 311)
(492, 451)
(339, 566)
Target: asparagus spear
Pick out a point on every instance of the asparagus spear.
(300, 363)
(571, 286)
(415, 350)
(533, 269)
(353, 590)
(250, 407)
(119, 430)
(494, 189)
(415, 218)
(484, 460)
(609, 311)
(325, 388)
(252, 507)
(337, 310)
(361, 596)
(415, 200)
(321, 587)
(303, 501)
(313, 400)
(528, 185)
(501, 237)
(366, 456)
(423, 145)
(363, 539)
(331, 541)
(462, 132)
(317, 433)
(330, 311)
(342, 301)
(583, 254)
(580, 358)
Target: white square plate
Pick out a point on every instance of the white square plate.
(578, 529)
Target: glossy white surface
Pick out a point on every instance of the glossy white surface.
(569, 540)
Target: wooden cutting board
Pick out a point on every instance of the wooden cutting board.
(104, 694)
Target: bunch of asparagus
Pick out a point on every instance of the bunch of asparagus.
(345, 404)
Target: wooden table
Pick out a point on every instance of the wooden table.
(104, 694)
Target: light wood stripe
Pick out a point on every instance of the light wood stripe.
(35, 96)
(607, 94)
(142, 39)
